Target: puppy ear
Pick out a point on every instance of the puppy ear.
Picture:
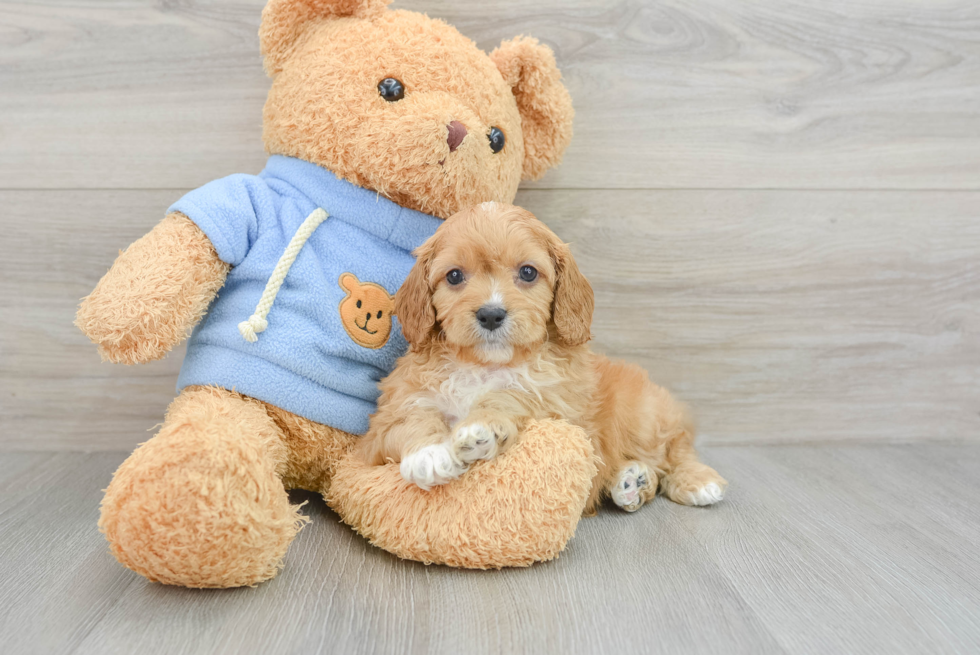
(284, 22)
(543, 101)
(413, 301)
(574, 301)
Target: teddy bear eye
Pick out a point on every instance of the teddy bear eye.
(496, 137)
(528, 273)
(454, 276)
(391, 89)
(379, 313)
(358, 304)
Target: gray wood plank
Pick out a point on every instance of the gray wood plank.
(779, 316)
(56, 246)
(789, 316)
(832, 562)
(59, 579)
(669, 94)
(815, 550)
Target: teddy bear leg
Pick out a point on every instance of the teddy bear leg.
(201, 504)
(314, 450)
(519, 508)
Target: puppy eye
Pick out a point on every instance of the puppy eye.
(528, 273)
(454, 276)
(391, 89)
(496, 137)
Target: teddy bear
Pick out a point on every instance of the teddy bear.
(379, 124)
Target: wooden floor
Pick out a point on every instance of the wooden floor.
(852, 549)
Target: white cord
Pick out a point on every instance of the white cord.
(257, 322)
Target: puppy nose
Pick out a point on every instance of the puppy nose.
(456, 133)
(491, 318)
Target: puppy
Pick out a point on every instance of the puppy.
(498, 316)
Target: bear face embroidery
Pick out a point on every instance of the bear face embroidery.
(366, 311)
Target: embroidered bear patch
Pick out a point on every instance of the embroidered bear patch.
(366, 311)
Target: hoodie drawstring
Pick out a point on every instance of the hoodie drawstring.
(257, 322)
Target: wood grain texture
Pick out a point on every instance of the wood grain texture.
(56, 245)
(783, 316)
(816, 550)
(779, 316)
(669, 93)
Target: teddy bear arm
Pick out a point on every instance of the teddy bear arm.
(154, 293)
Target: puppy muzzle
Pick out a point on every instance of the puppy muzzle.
(491, 318)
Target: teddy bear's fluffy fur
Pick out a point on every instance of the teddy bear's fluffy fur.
(203, 503)
(519, 509)
(398, 149)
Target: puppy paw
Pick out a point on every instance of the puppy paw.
(633, 486)
(431, 466)
(695, 485)
(709, 494)
(473, 442)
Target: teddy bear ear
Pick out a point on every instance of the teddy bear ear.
(349, 282)
(543, 101)
(284, 22)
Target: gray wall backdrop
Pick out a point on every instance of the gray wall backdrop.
(778, 203)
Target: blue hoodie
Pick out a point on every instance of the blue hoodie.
(305, 361)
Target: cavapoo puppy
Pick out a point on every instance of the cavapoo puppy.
(498, 316)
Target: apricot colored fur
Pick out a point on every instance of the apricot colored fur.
(458, 375)
(203, 503)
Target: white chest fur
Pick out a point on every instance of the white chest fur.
(466, 385)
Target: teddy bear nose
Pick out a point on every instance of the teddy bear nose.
(491, 318)
(456, 133)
